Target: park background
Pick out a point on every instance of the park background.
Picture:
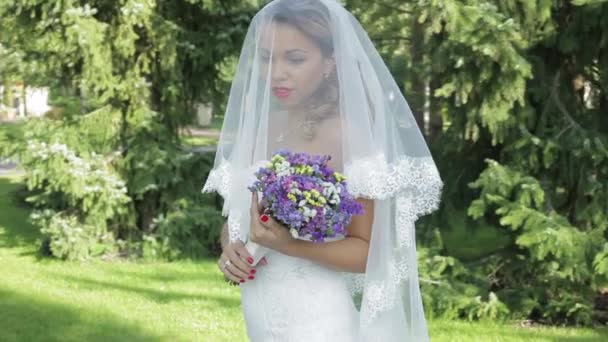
(104, 231)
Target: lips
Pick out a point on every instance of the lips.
(281, 92)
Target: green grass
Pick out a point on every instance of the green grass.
(51, 300)
(43, 299)
(199, 141)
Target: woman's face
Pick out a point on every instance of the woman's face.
(297, 66)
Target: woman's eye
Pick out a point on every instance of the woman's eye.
(296, 60)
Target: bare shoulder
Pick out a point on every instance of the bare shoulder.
(332, 129)
(331, 141)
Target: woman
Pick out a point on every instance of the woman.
(310, 80)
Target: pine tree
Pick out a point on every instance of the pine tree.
(521, 90)
(141, 66)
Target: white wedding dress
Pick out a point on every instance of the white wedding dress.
(297, 300)
(309, 79)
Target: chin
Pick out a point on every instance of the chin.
(289, 103)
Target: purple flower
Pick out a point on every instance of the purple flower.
(298, 196)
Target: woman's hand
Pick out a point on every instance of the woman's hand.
(270, 233)
(239, 268)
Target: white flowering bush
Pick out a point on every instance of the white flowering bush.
(80, 196)
(69, 238)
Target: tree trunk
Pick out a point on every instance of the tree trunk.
(24, 97)
(436, 121)
(417, 100)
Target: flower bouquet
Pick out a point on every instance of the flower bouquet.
(304, 194)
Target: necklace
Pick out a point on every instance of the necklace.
(308, 124)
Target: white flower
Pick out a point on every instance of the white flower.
(283, 169)
(308, 213)
(294, 232)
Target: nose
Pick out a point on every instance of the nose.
(278, 71)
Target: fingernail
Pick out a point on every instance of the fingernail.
(264, 218)
(242, 280)
(252, 272)
(251, 277)
(250, 260)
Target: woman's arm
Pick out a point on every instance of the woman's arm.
(348, 254)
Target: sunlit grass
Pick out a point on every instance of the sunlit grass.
(43, 299)
(199, 141)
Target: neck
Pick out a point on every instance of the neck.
(297, 114)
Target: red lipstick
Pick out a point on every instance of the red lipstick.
(281, 92)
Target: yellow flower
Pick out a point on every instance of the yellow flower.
(277, 158)
(339, 177)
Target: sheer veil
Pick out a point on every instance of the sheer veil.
(347, 105)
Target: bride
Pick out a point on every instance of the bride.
(310, 80)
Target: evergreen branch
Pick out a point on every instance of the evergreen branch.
(393, 8)
(393, 38)
(429, 281)
(562, 108)
(560, 105)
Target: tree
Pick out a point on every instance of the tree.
(520, 87)
(144, 64)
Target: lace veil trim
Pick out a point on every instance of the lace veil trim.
(413, 182)
(415, 185)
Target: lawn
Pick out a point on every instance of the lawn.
(42, 299)
(194, 141)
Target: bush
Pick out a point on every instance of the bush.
(451, 289)
(188, 230)
(145, 201)
(75, 197)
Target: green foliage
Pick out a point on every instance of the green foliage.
(188, 230)
(138, 70)
(175, 219)
(481, 63)
(559, 256)
(469, 240)
(600, 262)
(452, 289)
(84, 192)
(69, 238)
(515, 83)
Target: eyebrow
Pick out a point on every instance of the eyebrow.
(287, 52)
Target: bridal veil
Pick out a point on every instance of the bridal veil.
(341, 102)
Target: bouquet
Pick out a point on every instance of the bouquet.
(304, 194)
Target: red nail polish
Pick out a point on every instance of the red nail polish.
(264, 218)
(250, 260)
(251, 277)
(252, 272)
(242, 280)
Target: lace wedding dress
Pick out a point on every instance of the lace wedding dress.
(297, 300)
(309, 79)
